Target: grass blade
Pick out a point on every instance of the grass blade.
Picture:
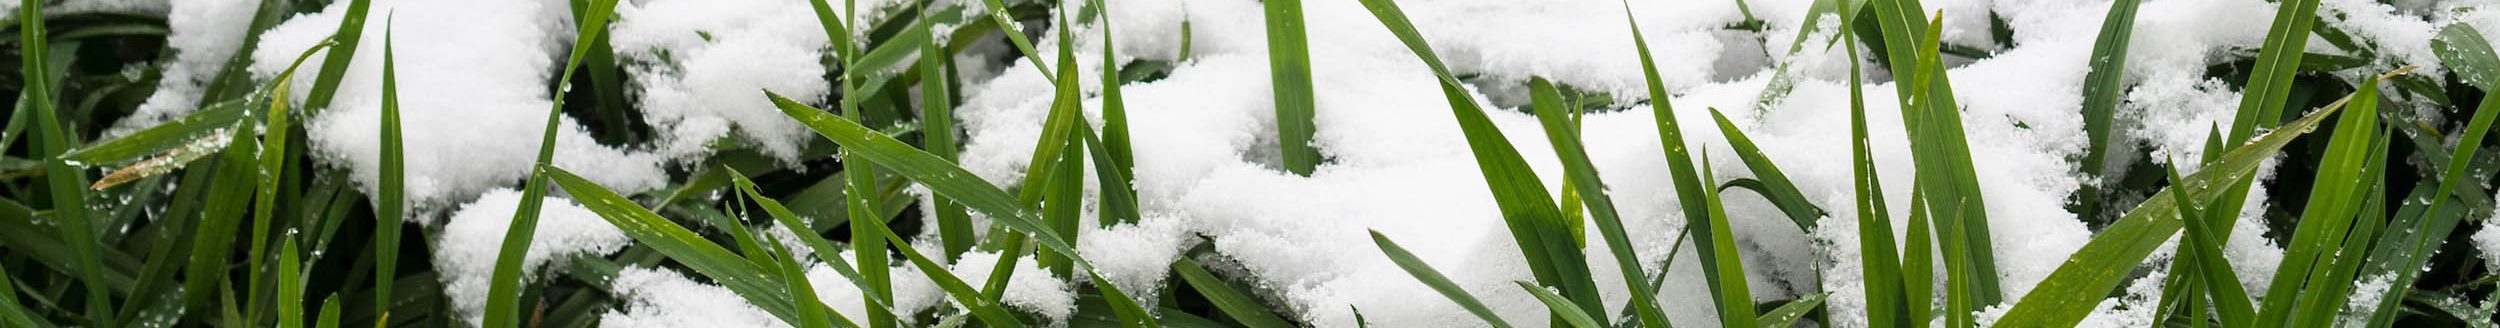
(2229, 299)
(1735, 298)
(1592, 190)
(1775, 185)
(67, 185)
(1289, 68)
(2102, 88)
(12, 312)
(2333, 201)
(2460, 46)
(1233, 302)
(741, 276)
(1788, 314)
(988, 311)
(2070, 292)
(2270, 83)
(944, 177)
(329, 313)
(1440, 283)
(1689, 187)
(1570, 313)
(824, 250)
(1938, 147)
(937, 135)
(812, 312)
(391, 200)
(503, 308)
(334, 65)
(170, 136)
(1543, 238)
(290, 286)
(2319, 306)
(1889, 301)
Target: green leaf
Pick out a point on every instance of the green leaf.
(937, 135)
(943, 177)
(2229, 299)
(2270, 82)
(812, 312)
(2335, 198)
(334, 66)
(823, 249)
(1439, 283)
(2102, 88)
(172, 136)
(1788, 314)
(1235, 304)
(1888, 289)
(1689, 186)
(2078, 285)
(2466, 49)
(503, 308)
(1937, 145)
(329, 313)
(1735, 300)
(2321, 303)
(1563, 307)
(1543, 238)
(67, 185)
(1289, 68)
(11, 311)
(990, 312)
(390, 200)
(290, 286)
(749, 281)
(1777, 189)
(1593, 192)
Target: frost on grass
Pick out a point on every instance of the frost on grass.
(470, 242)
(473, 78)
(203, 35)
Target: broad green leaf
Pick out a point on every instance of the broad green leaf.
(503, 308)
(1439, 283)
(2079, 284)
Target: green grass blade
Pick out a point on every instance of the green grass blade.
(2229, 299)
(1689, 187)
(1918, 264)
(2270, 82)
(824, 249)
(1735, 298)
(67, 185)
(1937, 144)
(1888, 299)
(1233, 302)
(937, 135)
(2463, 47)
(334, 65)
(1781, 82)
(1063, 205)
(1118, 203)
(2323, 302)
(944, 177)
(2332, 203)
(290, 286)
(329, 313)
(221, 215)
(989, 312)
(1440, 283)
(2102, 88)
(2078, 285)
(167, 137)
(1592, 191)
(12, 312)
(1777, 189)
(1529, 212)
(812, 312)
(503, 308)
(1788, 314)
(1289, 68)
(1115, 136)
(1570, 314)
(1015, 35)
(391, 200)
(741, 276)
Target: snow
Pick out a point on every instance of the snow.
(473, 97)
(470, 242)
(699, 64)
(663, 298)
(203, 35)
(2487, 241)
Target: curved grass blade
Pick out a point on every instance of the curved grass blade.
(1234, 303)
(824, 250)
(812, 312)
(1734, 297)
(945, 178)
(989, 312)
(1289, 68)
(2229, 299)
(334, 65)
(1592, 191)
(2079, 284)
(1440, 283)
(1569, 313)
(171, 136)
(1529, 212)
(67, 185)
(503, 303)
(1787, 314)
(2102, 87)
(741, 276)
(329, 313)
(1688, 186)
(1776, 187)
